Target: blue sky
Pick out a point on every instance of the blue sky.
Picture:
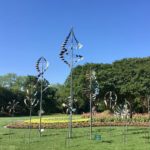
(108, 29)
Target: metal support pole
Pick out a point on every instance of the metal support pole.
(41, 98)
(110, 95)
(149, 116)
(148, 108)
(71, 92)
(30, 124)
(91, 104)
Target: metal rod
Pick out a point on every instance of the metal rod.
(148, 108)
(149, 116)
(110, 99)
(30, 123)
(71, 90)
(40, 115)
(91, 104)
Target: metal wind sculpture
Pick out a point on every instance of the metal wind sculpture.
(110, 100)
(12, 105)
(31, 101)
(65, 105)
(93, 92)
(41, 67)
(68, 56)
(123, 112)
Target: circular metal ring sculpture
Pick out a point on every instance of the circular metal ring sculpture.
(41, 67)
(68, 56)
(110, 100)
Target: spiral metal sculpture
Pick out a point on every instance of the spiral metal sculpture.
(70, 43)
(41, 67)
(68, 56)
(93, 88)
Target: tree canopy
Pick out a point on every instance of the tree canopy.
(129, 78)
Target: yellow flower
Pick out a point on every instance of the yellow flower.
(57, 120)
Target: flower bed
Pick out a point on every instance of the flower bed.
(50, 123)
(75, 124)
(100, 119)
(61, 120)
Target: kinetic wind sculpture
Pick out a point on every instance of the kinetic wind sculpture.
(110, 100)
(93, 92)
(123, 112)
(41, 67)
(68, 56)
(31, 102)
(66, 106)
(12, 105)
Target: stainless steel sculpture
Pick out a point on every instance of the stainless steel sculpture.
(31, 101)
(122, 111)
(68, 56)
(110, 100)
(12, 105)
(41, 67)
(93, 91)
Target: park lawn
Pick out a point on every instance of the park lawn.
(113, 138)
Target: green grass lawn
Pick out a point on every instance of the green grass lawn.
(113, 138)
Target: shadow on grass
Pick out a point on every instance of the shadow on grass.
(138, 132)
(107, 141)
(78, 136)
(68, 146)
(105, 129)
(136, 129)
(8, 133)
(146, 137)
(46, 135)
